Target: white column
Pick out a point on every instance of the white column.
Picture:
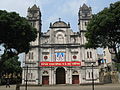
(54, 76)
(50, 76)
(40, 76)
(66, 75)
(70, 76)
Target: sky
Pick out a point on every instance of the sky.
(52, 10)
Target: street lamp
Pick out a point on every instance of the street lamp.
(26, 77)
(92, 77)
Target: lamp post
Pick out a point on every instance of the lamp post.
(26, 77)
(92, 78)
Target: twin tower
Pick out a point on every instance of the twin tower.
(58, 56)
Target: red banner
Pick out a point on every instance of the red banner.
(73, 63)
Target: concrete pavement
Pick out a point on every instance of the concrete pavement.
(12, 87)
(66, 87)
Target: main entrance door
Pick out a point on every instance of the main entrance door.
(60, 75)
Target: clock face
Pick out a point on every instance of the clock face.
(85, 15)
(31, 15)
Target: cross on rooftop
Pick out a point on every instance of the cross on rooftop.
(59, 19)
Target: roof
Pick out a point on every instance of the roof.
(85, 7)
(33, 8)
(59, 24)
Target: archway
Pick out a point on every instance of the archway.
(60, 75)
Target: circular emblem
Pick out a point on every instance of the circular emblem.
(74, 57)
(45, 57)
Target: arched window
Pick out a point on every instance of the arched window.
(60, 39)
(85, 23)
(90, 54)
(30, 55)
(87, 54)
(89, 74)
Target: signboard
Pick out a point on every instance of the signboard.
(73, 63)
(60, 56)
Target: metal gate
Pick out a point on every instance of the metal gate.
(75, 79)
(45, 80)
(60, 75)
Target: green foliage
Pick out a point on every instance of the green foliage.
(11, 65)
(15, 32)
(117, 66)
(104, 28)
(10, 69)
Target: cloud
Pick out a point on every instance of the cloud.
(19, 6)
(67, 10)
(46, 22)
(71, 7)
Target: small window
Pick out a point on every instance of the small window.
(87, 54)
(28, 75)
(30, 55)
(34, 24)
(60, 39)
(92, 74)
(85, 23)
(31, 75)
(74, 40)
(89, 74)
(31, 24)
(90, 54)
(85, 14)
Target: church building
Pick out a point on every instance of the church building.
(58, 56)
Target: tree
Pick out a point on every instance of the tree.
(11, 65)
(104, 29)
(11, 69)
(16, 33)
(117, 65)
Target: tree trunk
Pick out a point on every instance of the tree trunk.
(116, 54)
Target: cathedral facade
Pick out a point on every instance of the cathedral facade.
(58, 56)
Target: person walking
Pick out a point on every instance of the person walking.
(7, 83)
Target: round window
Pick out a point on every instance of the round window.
(45, 57)
(74, 57)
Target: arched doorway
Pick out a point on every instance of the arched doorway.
(60, 75)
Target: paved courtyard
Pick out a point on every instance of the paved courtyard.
(65, 87)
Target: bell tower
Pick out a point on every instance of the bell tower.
(32, 58)
(34, 17)
(89, 56)
(84, 15)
